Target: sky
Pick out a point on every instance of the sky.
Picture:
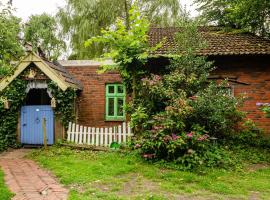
(26, 8)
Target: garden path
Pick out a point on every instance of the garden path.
(27, 180)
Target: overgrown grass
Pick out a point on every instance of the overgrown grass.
(5, 194)
(114, 175)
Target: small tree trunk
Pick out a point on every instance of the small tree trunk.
(127, 14)
(133, 87)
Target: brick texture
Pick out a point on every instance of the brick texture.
(250, 78)
(91, 101)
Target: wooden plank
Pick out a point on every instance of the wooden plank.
(106, 137)
(89, 135)
(69, 131)
(97, 136)
(101, 136)
(84, 134)
(119, 134)
(73, 132)
(76, 134)
(93, 136)
(80, 134)
(124, 132)
(110, 136)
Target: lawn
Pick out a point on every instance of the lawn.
(114, 175)
(5, 194)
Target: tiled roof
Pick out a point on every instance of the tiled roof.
(61, 70)
(218, 42)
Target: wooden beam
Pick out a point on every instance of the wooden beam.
(8, 79)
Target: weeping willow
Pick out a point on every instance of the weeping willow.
(83, 19)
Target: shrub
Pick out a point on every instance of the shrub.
(217, 111)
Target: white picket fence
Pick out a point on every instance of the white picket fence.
(98, 136)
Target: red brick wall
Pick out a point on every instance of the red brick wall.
(252, 80)
(91, 101)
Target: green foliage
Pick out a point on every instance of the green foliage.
(15, 93)
(5, 194)
(10, 47)
(82, 20)
(41, 31)
(244, 14)
(217, 111)
(128, 48)
(65, 101)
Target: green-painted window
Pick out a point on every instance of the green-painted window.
(115, 101)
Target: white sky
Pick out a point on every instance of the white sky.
(26, 8)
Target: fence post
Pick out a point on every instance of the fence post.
(44, 133)
(124, 132)
(84, 134)
(97, 136)
(88, 135)
(106, 136)
(119, 134)
(69, 131)
(93, 136)
(80, 134)
(110, 136)
(101, 136)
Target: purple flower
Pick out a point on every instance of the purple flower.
(262, 104)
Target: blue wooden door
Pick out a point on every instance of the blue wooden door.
(31, 124)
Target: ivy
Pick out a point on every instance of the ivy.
(65, 103)
(15, 93)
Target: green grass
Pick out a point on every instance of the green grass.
(5, 194)
(113, 175)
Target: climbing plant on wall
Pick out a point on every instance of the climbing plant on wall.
(15, 94)
(65, 103)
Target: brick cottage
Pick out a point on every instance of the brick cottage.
(242, 58)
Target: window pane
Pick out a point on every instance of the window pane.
(120, 104)
(111, 89)
(120, 89)
(111, 107)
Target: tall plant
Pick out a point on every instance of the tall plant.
(83, 19)
(129, 48)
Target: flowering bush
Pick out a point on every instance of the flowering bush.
(176, 115)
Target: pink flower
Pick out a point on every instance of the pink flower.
(190, 135)
(203, 137)
(193, 97)
(137, 146)
(175, 137)
(150, 156)
(167, 138)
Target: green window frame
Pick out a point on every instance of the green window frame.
(115, 101)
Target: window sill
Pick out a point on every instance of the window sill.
(115, 120)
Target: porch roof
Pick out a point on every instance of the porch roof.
(53, 70)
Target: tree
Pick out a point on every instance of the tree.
(250, 15)
(128, 48)
(41, 31)
(10, 46)
(83, 19)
